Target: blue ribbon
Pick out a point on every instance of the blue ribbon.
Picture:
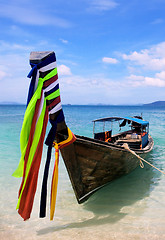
(52, 133)
(52, 90)
(33, 73)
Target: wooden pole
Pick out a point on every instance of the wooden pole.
(37, 57)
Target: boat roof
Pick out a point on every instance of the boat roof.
(132, 119)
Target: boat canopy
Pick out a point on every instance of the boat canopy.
(132, 119)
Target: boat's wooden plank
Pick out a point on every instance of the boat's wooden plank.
(73, 168)
(91, 153)
(87, 162)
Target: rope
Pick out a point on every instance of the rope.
(125, 145)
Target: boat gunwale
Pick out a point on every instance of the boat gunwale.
(97, 142)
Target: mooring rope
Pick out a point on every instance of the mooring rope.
(125, 145)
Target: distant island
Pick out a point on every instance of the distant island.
(155, 104)
(10, 103)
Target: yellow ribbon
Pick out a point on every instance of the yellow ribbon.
(57, 146)
(54, 183)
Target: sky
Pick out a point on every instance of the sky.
(108, 51)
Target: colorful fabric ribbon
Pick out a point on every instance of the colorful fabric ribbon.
(43, 66)
(43, 100)
(71, 138)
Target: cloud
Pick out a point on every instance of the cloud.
(64, 70)
(63, 41)
(8, 47)
(152, 59)
(97, 81)
(141, 81)
(14, 30)
(2, 74)
(28, 13)
(161, 75)
(102, 5)
(93, 89)
(14, 68)
(155, 82)
(157, 21)
(109, 60)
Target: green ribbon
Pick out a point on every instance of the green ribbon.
(25, 132)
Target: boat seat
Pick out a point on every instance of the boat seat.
(132, 143)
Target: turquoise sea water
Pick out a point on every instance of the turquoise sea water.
(132, 207)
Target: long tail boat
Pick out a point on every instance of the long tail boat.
(94, 162)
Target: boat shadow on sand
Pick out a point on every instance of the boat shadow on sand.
(113, 202)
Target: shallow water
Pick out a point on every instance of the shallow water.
(132, 207)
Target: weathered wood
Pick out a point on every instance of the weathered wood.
(72, 165)
(90, 171)
(37, 57)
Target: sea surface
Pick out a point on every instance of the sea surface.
(132, 207)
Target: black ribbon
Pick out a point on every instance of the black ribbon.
(49, 143)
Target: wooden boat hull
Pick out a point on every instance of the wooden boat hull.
(91, 164)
